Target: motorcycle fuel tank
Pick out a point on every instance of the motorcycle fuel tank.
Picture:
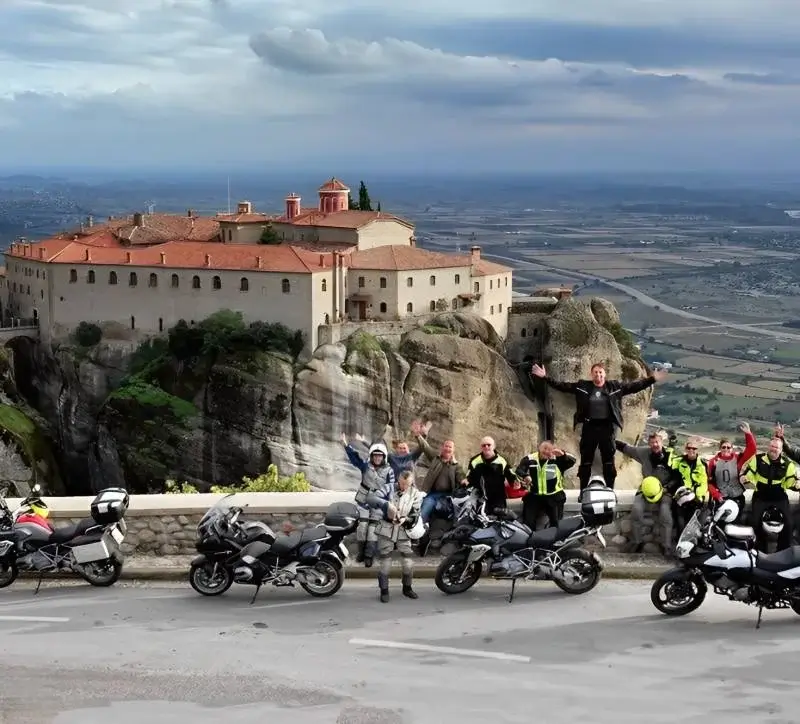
(32, 534)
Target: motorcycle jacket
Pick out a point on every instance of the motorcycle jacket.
(770, 477)
(490, 476)
(693, 476)
(547, 476)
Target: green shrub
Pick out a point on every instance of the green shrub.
(151, 396)
(436, 329)
(269, 482)
(87, 334)
(364, 343)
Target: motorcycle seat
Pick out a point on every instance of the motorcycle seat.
(288, 543)
(67, 532)
(780, 561)
(547, 537)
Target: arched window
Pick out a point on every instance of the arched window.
(133, 280)
(524, 332)
(90, 276)
(433, 306)
(433, 280)
(73, 276)
(383, 307)
(153, 281)
(383, 282)
(195, 282)
(454, 303)
(477, 287)
(176, 282)
(216, 283)
(244, 285)
(409, 307)
(410, 282)
(285, 286)
(458, 279)
(112, 277)
(324, 285)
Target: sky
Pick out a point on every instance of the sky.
(419, 86)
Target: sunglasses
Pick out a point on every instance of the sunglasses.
(692, 448)
(726, 447)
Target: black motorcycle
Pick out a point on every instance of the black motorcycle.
(221, 535)
(313, 557)
(713, 552)
(514, 552)
(90, 548)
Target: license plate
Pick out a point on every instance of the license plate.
(343, 548)
(117, 534)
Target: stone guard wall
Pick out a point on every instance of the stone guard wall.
(165, 525)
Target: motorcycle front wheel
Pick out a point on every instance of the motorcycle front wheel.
(101, 573)
(678, 592)
(323, 580)
(8, 573)
(450, 571)
(208, 582)
(578, 573)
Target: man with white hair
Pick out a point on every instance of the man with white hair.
(488, 471)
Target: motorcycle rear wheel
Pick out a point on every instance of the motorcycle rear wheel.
(334, 580)
(8, 573)
(451, 568)
(684, 592)
(585, 566)
(101, 573)
(203, 580)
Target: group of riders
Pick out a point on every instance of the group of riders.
(395, 508)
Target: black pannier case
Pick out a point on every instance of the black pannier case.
(341, 517)
(598, 506)
(110, 505)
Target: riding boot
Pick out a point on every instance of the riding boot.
(360, 555)
(408, 592)
(383, 584)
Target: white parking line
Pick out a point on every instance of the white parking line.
(289, 603)
(474, 653)
(35, 619)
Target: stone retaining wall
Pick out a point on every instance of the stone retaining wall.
(165, 525)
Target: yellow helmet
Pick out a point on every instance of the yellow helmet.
(651, 489)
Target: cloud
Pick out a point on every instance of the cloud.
(282, 82)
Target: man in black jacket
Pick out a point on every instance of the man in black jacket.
(598, 407)
(488, 471)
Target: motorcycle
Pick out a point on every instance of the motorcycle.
(221, 535)
(713, 552)
(313, 557)
(90, 548)
(514, 552)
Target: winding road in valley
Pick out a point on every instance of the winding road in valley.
(645, 299)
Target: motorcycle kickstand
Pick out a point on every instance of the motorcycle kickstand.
(39, 583)
(513, 586)
(253, 599)
(758, 622)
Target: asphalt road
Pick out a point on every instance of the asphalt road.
(162, 654)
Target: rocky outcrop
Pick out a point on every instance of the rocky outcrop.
(231, 414)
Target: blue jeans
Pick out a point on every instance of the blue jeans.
(428, 504)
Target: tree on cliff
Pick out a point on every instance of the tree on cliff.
(269, 235)
(364, 202)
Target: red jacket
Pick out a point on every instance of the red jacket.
(750, 449)
(512, 493)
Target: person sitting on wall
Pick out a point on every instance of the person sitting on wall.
(488, 471)
(543, 474)
(598, 408)
(375, 473)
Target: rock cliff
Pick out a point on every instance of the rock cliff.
(118, 415)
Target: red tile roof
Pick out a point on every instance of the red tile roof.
(405, 258)
(341, 219)
(333, 185)
(186, 255)
(485, 268)
(251, 218)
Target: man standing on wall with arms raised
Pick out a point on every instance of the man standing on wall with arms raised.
(598, 408)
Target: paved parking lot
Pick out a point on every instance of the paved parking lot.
(161, 653)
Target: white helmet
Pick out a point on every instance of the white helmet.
(727, 511)
(772, 521)
(683, 495)
(379, 447)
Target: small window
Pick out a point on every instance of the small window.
(216, 283)
(160, 324)
(477, 287)
(324, 285)
(112, 277)
(361, 282)
(133, 322)
(383, 282)
(454, 303)
(28, 290)
(383, 307)
(285, 286)
(491, 309)
(73, 276)
(195, 282)
(409, 307)
(41, 293)
(133, 280)
(244, 284)
(524, 332)
(433, 306)
(458, 279)
(506, 280)
(500, 309)
(176, 282)
(433, 280)
(490, 284)
(153, 280)
(90, 276)
(410, 282)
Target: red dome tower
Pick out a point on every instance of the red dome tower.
(333, 196)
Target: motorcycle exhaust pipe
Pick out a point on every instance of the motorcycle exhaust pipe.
(242, 574)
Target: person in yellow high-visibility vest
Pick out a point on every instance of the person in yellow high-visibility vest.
(689, 471)
(543, 475)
